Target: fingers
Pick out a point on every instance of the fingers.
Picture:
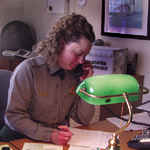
(88, 70)
(67, 139)
(64, 128)
(61, 137)
(88, 66)
(87, 63)
(64, 140)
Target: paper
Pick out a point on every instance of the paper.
(76, 147)
(140, 117)
(89, 138)
(144, 106)
(38, 146)
(5, 146)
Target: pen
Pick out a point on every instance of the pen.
(60, 129)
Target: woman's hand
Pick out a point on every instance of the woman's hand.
(87, 70)
(59, 137)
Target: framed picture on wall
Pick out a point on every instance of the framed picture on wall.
(126, 19)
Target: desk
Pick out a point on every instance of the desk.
(104, 125)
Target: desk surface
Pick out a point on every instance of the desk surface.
(105, 126)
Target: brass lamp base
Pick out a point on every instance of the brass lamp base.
(114, 144)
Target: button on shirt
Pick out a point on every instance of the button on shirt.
(37, 100)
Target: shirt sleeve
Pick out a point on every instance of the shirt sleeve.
(19, 95)
(81, 111)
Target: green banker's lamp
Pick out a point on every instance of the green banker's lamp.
(111, 89)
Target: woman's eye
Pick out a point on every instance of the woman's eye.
(77, 54)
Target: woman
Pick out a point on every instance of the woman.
(39, 97)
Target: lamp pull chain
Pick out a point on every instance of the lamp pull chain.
(121, 114)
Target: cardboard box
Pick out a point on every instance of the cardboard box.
(108, 60)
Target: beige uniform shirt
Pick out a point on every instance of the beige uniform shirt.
(37, 100)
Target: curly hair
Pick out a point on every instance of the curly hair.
(69, 28)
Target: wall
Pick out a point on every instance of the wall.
(10, 11)
(92, 10)
(35, 14)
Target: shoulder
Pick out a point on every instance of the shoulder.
(34, 61)
(28, 66)
(31, 62)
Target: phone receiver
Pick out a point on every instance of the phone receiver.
(78, 71)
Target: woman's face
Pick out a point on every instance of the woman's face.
(74, 54)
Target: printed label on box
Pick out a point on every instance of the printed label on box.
(108, 60)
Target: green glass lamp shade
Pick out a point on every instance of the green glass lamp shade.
(107, 87)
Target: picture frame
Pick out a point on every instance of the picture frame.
(126, 19)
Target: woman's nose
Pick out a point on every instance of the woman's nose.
(81, 60)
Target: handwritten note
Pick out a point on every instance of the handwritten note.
(89, 138)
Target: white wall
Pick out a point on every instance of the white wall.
(34, 13)
(10, 11)
(92, 10)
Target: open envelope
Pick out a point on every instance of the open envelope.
(140, 117)
(144, 106)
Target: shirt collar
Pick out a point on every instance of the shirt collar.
(54, 68)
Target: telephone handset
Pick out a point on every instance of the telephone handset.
(19, 53)
(78, 71)
(140, 141)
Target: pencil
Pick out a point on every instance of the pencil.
(60, 129)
